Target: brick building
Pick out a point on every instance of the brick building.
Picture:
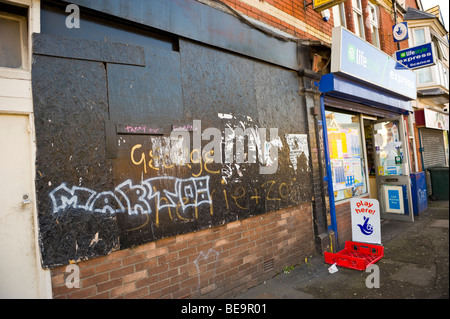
(117, 193)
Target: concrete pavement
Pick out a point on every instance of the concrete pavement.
(415, 265)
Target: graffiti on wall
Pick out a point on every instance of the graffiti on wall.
(206, 187)
(225, 146)
(146, 198)
(136, 199)
(181, 198)
(160, 174)
(298, 146)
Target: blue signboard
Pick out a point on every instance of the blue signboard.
(400, 31)
(416, 57)
(394, 199)
(359, 59)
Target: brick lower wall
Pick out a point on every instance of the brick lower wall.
(216, 262)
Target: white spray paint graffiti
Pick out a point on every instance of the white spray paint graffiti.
(258, 148)
(298, 144)
(227, 147)
(135, 199)
(170, 150)
(203, 256)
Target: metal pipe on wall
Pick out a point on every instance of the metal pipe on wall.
(328, 178)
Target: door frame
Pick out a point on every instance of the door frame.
(395, 180)
(44, 285)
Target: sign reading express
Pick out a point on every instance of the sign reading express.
(416, 57)
(357, 58)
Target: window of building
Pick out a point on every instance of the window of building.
(419, 36)
(443, 75)
(339, 15)
(346, 155)
(444, 50)
(13, 40)
(439, 47)
(425, 75)
(358, 18)
(374, 25)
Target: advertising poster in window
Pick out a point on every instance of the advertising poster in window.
(389, 148)
(345, 155)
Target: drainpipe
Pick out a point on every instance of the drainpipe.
(328, 178)
(394, 7)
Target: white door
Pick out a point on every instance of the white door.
(20, 272)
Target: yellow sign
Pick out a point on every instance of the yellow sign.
(320, 5)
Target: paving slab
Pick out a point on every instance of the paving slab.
(415, 265)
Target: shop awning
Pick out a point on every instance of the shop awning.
(346, 88)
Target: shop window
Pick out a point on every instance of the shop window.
(13, 41)
(347, 156)
(358, 18)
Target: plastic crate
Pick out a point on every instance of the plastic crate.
(356, 255)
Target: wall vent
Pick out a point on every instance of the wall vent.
(268, 265)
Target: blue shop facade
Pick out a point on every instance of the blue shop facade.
(368, 134)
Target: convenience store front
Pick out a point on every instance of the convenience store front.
(366, 102)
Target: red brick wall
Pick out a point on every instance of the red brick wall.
(344, 223)
(216, 262)
(366, 17)
(294, 8)
(348, 8)
(386, 22)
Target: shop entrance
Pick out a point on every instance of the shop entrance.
(387, 161)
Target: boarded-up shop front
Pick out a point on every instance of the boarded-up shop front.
(156, 146)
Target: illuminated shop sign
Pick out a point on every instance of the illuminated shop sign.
(360, 60)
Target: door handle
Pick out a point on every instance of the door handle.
(26, 199)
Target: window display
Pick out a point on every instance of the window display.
(389, 148)
(346, 155)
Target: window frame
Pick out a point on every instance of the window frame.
(364, 168)
(358, 19)
(340, 16)
(374, 24)
(24, 39)
(426, 36)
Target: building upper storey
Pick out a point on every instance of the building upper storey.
(432, 81)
